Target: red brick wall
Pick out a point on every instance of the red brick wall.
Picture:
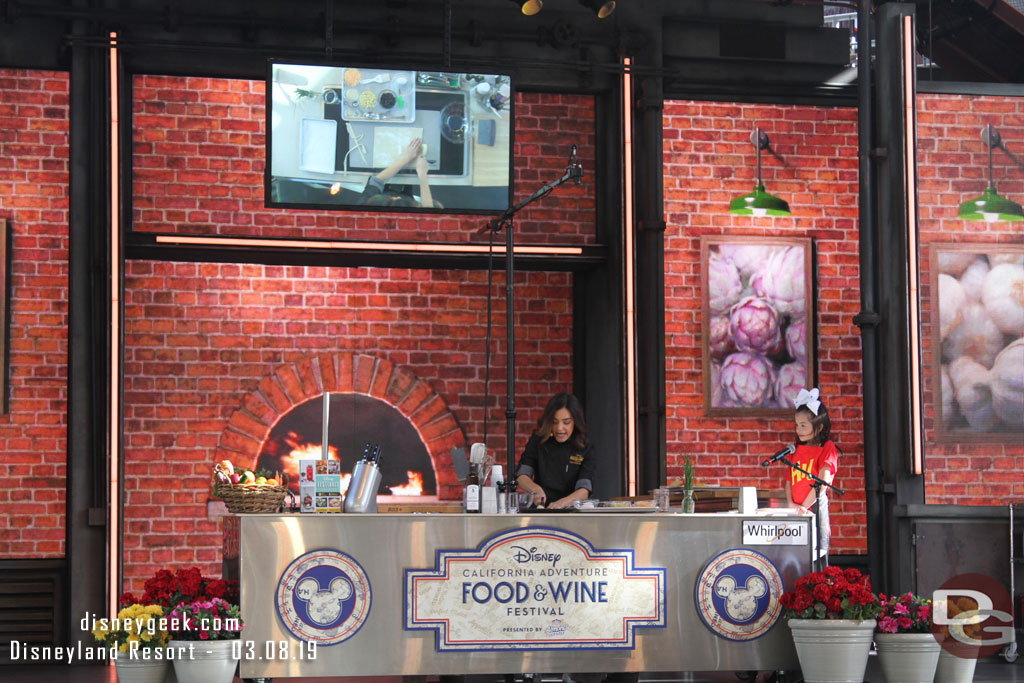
(199, 337)
(33, 200)
(709, 159)
(199, 146)
(953, 167)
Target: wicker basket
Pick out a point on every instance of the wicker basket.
(252, 497)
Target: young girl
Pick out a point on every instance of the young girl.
(818, 454)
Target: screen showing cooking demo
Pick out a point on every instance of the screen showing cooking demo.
(361, 138)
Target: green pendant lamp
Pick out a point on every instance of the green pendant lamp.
(990, 206)
(759, 202)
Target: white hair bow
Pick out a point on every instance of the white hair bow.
(809, 399)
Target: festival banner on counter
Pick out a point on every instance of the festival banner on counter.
(534, 589)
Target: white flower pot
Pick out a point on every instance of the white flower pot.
(208, 661)
(953, 669)
(140, 670)
(907, 657)
(832, 650)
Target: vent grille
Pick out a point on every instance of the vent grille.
(31, 604)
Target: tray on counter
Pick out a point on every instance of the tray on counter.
(365, 93)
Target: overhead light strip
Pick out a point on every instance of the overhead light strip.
(910, 186)
(630, 306)
(363, 246)
(114, 428)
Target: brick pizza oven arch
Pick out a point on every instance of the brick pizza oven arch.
(292, 384)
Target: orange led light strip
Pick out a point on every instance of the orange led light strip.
(363, 246)
(910, 187)
(627, 163)
(114, 436)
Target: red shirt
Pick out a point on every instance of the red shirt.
(812, 459)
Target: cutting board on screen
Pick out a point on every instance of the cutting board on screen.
(389, 143)
(363, 136)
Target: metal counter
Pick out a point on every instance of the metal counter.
(385, 630)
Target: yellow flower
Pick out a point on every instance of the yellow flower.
(99, 633)
(123, 647)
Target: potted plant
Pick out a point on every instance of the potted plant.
(959, 656)
(138, 638)
(203, 620)
(216, 624)
(831, 614)
(689, 478)
(907, 650)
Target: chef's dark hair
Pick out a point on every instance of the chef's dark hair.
(546, 423)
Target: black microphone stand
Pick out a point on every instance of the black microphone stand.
(495, 225)
(818, 483)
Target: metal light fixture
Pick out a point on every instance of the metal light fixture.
(990, 206)
(602, 8)
(759, 202)
(529, 7)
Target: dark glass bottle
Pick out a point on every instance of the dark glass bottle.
(471, 496)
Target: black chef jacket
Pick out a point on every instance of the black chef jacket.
(558, 468)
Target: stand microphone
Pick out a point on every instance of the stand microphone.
(788, 450)
(574, 168)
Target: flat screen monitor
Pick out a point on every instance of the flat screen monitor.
(362, 138)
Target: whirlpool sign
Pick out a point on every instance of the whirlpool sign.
(534, 589)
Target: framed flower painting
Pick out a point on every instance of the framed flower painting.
(5, 299)
(757, 324)
(976, 313)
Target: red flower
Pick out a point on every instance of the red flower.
(832, 593)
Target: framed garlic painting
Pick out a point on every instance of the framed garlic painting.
(757, 323)
(977, 320)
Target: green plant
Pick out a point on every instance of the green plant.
(688, 473)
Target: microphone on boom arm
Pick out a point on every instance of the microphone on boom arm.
(788, 450)
(575, 168)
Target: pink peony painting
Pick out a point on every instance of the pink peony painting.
(757, 342)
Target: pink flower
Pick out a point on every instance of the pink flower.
(755, 326)
(724, 284)
(748, 379)
(780, 280)
(887, 625)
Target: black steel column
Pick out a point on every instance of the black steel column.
(650, 284)
(868, 318)
(897, 484)
(88, 336)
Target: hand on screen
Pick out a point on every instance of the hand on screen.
(422, 167)
(412, 151)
